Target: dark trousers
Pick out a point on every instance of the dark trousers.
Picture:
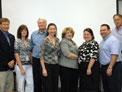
(111, 83)
(50, 83)
(69, 79)
(37, 74)
(89, 83)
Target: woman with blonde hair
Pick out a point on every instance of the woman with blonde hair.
(68, 61)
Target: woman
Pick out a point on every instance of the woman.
(49, 59)
(23, 59)
(68, 61)
(88, 63)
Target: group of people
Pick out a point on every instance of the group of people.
(42, 60)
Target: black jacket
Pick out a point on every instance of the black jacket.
(6, 51)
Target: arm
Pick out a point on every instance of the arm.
(65, 50)
(91, 63)
(73, 56)
(19, 63)
(94, 57)
(112, 63)
(44, 71)
(42, 50)
(16, 55)
(115, 51)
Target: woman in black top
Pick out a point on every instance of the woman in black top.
(88, 63)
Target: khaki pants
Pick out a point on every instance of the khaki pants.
(6, 81)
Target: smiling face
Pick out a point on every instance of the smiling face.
(5, 26)
(52, 30)
(87, 36)
(42, 24)
(117, 21)
(104, 31)
(68, 35)
(24, 33)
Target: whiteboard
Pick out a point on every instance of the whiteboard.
(78, 14)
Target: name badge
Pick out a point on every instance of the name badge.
(27, 58)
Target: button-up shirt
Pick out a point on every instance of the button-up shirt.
(118, 33)
(36, 39)
(23, 50)
(6, 35)
(108, 46)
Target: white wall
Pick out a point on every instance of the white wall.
(120, 7)
(77, 14)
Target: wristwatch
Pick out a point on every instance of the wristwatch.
(109, 67)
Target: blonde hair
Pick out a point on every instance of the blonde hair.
(67, 29)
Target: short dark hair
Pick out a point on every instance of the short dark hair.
(119, 15)
(21, 27)
(108, 27)
(90, 31)
(51, 24)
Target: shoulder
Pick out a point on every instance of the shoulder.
(93, 42)
(18, 40)
(57, 39)
(45, 39)
(113, 38)
(35, 32)
(64, 40)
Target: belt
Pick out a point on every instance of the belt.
(25, 62)
(115, 63)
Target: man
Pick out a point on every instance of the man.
(117, 32)
(6, 56)
(109, 54)
(36, 39)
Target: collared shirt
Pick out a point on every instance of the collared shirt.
(68, 46)
(49, 52)
(118, 33)
(36, 39)
(108, 46)
(23, 50)
(6, 35)
(88, 51)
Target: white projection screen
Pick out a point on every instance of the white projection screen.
(78, 14)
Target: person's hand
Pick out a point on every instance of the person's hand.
(11, 64)
(89, 72)
(44, 72)
(109, 71)
(22, 71)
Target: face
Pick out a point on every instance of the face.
(23, 33)
(52, 30)
(104, 31)
(5, 26)
(87, 36)
(42, 24)
(117, 21)
(69, 35)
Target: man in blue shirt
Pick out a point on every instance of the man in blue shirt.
(36, 39)
(117, 32)
(110, 60)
